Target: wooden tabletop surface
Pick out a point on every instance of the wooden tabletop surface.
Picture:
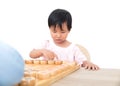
(82, 77)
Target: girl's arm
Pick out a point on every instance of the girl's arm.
(35, 53)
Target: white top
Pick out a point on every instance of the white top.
(70, 53)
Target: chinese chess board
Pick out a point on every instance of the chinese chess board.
(44, 73)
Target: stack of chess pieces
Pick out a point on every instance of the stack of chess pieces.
(36, 70)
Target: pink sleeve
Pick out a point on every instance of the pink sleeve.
(79, 56)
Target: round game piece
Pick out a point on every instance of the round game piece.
(11, 65)
(36, 61)
(58, 62)
(28, 61)
(43, 62)
(51, 62)
(27, 81)
(43, 75)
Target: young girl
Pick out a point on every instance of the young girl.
(60, 24)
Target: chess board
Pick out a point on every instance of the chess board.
(44, 73)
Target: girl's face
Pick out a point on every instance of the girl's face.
(59, 36)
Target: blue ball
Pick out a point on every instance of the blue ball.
(11, 65)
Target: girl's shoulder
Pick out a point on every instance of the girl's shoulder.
(73, 46)
(43, 43)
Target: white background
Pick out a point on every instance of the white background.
(96, 24)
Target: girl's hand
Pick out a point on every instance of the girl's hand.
(90, 66)
(48, 54)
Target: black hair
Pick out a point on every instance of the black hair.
(58, 17)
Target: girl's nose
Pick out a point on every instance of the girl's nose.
(58, 35)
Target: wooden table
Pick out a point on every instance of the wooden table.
(82, 77)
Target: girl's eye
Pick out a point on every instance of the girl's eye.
(62, 32)
(54, 31)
